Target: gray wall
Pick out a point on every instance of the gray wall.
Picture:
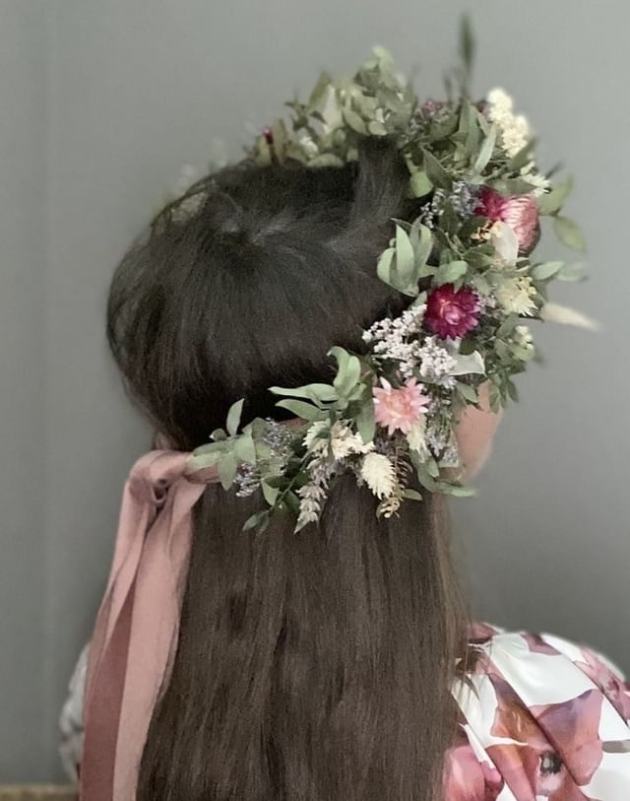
(102, 101)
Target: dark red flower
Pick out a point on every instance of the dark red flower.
(520, 212)
(452, 314)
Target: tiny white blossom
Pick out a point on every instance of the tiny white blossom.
(436, 363)
(523, 336)
(378, 473)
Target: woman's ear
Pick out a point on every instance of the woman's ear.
(475, 435)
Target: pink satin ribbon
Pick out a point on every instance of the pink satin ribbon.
(136, 630)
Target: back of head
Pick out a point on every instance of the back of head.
(309, 666)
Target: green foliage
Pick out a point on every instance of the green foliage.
(451, 150)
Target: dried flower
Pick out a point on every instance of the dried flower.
(398, 409)
(520, 212)
(416, 438)
(516, 296)
(513, 128)
(344, 442)
(504, 241)
(378, 473)
(452, 314)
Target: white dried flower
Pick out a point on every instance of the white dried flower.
(416, 438)
(313, 441)
(344, 442)
(516, 296)
(378, 473)
(513, 128)
(312, 496)
(505, 242)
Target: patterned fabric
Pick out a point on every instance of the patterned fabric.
(541, 719)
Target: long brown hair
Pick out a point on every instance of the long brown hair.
(310, 667)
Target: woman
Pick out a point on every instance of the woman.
(338, 662)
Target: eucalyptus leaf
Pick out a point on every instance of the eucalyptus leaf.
(469, 364)
(211, 447)
(260, 520)
(405, 258)
(467, 392)
(542, 272)
(523, 157)
(436, 172)
(348, 375)
(450, 272)
(366, 424)
(354, 121)
(245, 449)
(270, 493)
(553, 201)
(227, 467)
(234, 417)
(486, 151)
(508, 325)
(384, 267)
(321, 392)
(199, 461)
(568, 232)
(306, 411)
(572, 272)
(425, 245)
(420, 184)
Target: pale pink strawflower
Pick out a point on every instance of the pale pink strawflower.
(399, 409)
(520, 212)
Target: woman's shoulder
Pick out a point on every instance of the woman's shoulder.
(539, 716)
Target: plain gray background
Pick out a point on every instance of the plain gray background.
(102, 102)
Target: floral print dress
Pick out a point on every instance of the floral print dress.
(540, 719)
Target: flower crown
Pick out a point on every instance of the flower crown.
(466, 266)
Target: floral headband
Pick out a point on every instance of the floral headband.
(465, 263)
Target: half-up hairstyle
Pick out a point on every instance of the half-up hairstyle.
(316, 666)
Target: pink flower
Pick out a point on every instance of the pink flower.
(520, 212)
(450, 313)
(399, 409)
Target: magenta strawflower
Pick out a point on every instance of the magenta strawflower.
(452, 314)
(399, 409)
(520, 212)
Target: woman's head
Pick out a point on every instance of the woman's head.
(252, 288)
(315, 666)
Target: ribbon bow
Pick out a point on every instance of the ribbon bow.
(136, 628)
